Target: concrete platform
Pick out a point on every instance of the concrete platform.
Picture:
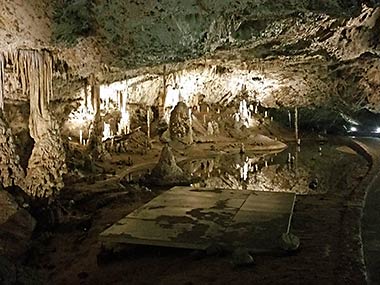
(196, 218)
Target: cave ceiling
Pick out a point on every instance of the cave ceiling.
(318, 52)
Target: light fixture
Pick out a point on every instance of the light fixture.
(353, 129)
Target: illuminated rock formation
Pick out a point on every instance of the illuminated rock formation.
(34, 71)
(180, 124)
(47, 162)
(167, 172)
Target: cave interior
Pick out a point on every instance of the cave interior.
(208, 141)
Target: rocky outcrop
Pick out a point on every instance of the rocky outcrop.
(173, 30)
(167, 172)
(359, 35)
(16, 227)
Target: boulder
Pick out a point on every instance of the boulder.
(16, 227)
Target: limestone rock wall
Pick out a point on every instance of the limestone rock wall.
(11, 172)
(34, 70)
(359, 35)
(47, 162)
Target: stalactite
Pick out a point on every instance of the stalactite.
(296, 125)
(2, 67)
(124, 125)
(95, 145)
(11, 172)
(47, 162)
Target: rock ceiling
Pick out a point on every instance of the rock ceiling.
(318, 52)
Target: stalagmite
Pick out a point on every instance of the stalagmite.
(2, 65)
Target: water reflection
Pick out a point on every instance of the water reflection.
(280, 172)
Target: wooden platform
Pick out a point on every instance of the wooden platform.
(196, 218)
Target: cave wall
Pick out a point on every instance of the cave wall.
(32, 74)
(312, 58)
(148, 53)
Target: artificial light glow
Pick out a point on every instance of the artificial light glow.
(378, 130)
(85, 113)
(245, 115)
(353, 129)
(124, 126)
(189, 86)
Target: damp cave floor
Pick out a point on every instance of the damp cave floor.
(328, 226)
(198, 218)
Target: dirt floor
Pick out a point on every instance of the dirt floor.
(67, 250)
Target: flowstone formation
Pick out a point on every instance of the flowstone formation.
(11, 173)
(47, 162)
(32, 73)
(180, 124)
(95, 145)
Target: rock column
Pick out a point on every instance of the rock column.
(47, 162)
